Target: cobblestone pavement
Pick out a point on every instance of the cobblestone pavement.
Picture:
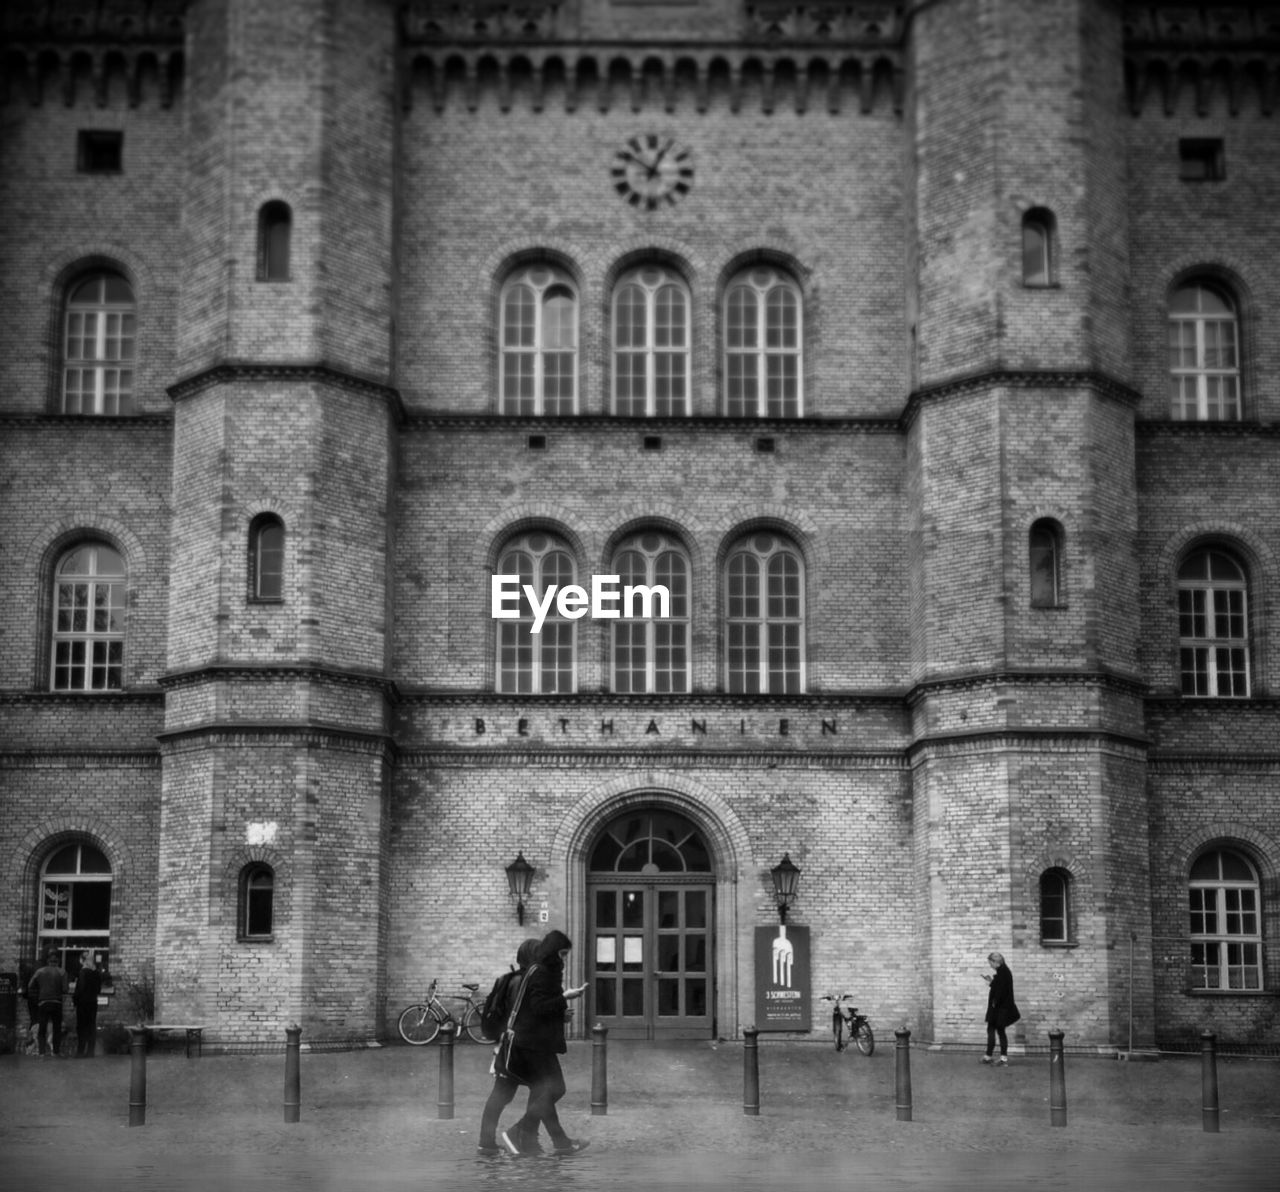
(371, 1119)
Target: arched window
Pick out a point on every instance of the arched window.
(650, 344)
(1043, 544)
(1213, 633)
(1055, 907)
(1226, 922)
(536, 657)
(75, 905)
(762, 337)
(539, 337)
(764, 603)
(1038, 247)
(1204, 356)
(257, 901)
(98, 347)
(650, 842)
(88, 620)
(651, 653)
(275, 230)
(266, 558)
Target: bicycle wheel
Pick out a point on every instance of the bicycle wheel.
(837, 1029)
(472, 1025)
(418, 1025)
(865, 1040)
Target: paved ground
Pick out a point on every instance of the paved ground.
(370, 1119)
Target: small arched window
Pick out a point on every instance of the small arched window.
(541, 662)
(275, 230)
(75, 904)
(762, 345)
(1043, 551)
(88, 620)
(1038, 227)
(764, 604)
(98, 346)
(651, 653)
(1213, 626)
(257, 901)
(1204, 355)
(1226, 922)
(650, 344)
(266, 558)
(539, 337)
(1055, 907)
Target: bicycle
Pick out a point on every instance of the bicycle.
(860, 1032)
(420, 1023)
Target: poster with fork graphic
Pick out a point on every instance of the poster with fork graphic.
(782, 978)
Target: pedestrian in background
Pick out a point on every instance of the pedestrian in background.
(540, 1042)
(85, 997)
(1002, 1012)
(49, 986)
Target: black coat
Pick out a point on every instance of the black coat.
(540, 1023)
(1001, 1009)
(88, 986)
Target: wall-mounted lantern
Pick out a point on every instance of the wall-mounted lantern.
(786, 877)
(520, 882)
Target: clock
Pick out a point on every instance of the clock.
(652, 171)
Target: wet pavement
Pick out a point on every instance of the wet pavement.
(371, 1119)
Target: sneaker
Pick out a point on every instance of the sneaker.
(986, 1059)
(488, 1148)
(574, 1146)
(1004, 1061)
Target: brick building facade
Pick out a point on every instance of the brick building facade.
(920, 350)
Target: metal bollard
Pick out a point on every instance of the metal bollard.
(1209, 1081)
(1057, 1081)
(904, 1073)
(599, 1070)
(444, 1106)
(750, 1072)
(292, 1074)
(137, 1076)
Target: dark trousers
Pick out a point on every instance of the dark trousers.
(546, 1087)
(86, 1029)
(50, 1015)
(992, 1032)
(501, 1095)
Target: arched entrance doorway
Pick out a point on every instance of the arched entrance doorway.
(651, 911)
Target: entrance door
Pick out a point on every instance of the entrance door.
(652, 901)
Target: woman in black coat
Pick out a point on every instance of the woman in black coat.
(540, 1042)
(1002, 1012)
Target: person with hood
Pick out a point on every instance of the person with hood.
(539, 1031)
(85, 998)
(506, 1086)
(1002, 1012)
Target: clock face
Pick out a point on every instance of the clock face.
(652, 171)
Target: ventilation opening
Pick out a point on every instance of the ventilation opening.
(765, 446)
(653, 442)
(99, 152)
(537, 442)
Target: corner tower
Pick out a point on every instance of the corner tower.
(273, 826)
(1028, 751)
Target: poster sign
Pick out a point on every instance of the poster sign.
(782, 978)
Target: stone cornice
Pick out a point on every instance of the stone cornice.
(1212, 761)
(265, 672)
(96, 422)
(1157, 428)
(747, 759)
(79, 759)
(1127, 685)
(603, 700)
(275, 732)
(1101, 383)
(1047, 740)
(543, 424)
(315, 372)
(84, 699)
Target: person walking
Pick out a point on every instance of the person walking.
(539, 1030)
(1002, 1011)
(505, 1086)
(85, 999)
(49, 985)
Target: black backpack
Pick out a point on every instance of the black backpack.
(497, 1006)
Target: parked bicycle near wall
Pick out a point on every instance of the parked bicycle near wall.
(859, 1028)
(421, 1022)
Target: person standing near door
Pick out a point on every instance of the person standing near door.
(49, 985)
(540, 1041)
(85, 997)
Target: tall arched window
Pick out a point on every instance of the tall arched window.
(275, 230)
(257, 901)
(1213, 626)
(542, 662)
(1204, 356)
(75, 904)
(539, 337)
(98, 346)
(1037, 247)
(762, 338)
(764, 603)
(266, 558)
(651, 654)
(1043, 544)
(650, 344)
(1055, 907)
(88, 620)
(1226, 922)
